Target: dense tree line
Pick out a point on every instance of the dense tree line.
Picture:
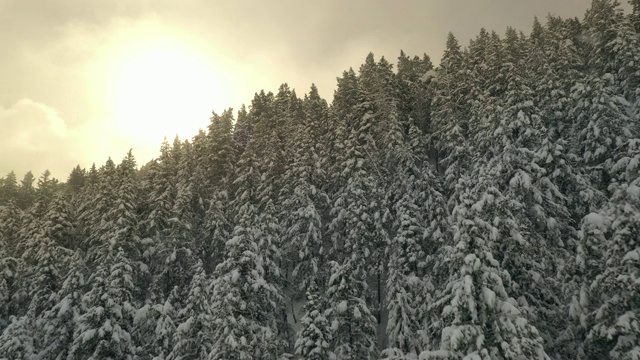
(486, 208)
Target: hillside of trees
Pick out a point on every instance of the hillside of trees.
(486, 208)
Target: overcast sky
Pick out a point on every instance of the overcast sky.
(83, 80)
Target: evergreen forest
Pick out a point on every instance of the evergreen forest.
(487, 208)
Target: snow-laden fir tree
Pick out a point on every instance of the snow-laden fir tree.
(314, 338)
(154, 330)
(104, 328)
(450, 111)
(246, 304)
(193, 335)
(16, 341)
(614, 324)
(172, 254)
(352, 324)
(219, 166)
(57, 325)
(414, 96)
(420, 225)
(405, 288)
(477, 319)
(94, 213)
(602, 126)
(304, 201)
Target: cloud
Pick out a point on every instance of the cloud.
(35, 138)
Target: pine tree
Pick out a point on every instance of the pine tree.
(104, 328)
(76, 180)
(9, 189)
(9, 286)
(635, 14)
(420, 227)
(404, 285)
(94, 213)
(220, 167)
(193, 336)
(613, 327)
(353, 324)
(616, 327)
(415, 96)
(451, 112)
(474, 315)
(603, 128)
(56, 326)
(304, 200)
(155, 331)
(315, 337)
(16, 341)
(158, 187)
(26, 192)
(246, 301)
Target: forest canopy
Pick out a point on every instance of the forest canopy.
(486, 208)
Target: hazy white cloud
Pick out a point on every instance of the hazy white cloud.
(34, 137)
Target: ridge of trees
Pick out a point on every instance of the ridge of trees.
(486, 208)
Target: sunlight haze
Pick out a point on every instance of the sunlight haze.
(83, 81)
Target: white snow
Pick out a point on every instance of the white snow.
(594, 220)
(633, 191)
(185, 326)
(63, 306)
(625, 320)
(489, 297)
(342, 306)
(235, 275)
(356, 313)
(633, 255)
(509, 309)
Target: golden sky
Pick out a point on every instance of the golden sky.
(83, 80)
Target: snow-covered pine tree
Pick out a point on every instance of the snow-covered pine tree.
(98, 202)
(103, 330)
(158, 194)
(614, 322)
(16, 341)
(315, 336)
(304, 202)
(352, 324)
(601, 23)
(9, 189)
(450, 112)
(476, 317)
(10, 216)
(634, 16)
(420, 226)
(268, 141)
(587, 265)
(414, 94)
(9, 282)
(342, 120)
(602, 126)
(405, 289)
(221, 166)
(193, 335)
(246, 304)
(57, 325)
(172, 253)
(154, 331)
(46, 255)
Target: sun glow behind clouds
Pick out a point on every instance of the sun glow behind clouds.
(161, 85)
